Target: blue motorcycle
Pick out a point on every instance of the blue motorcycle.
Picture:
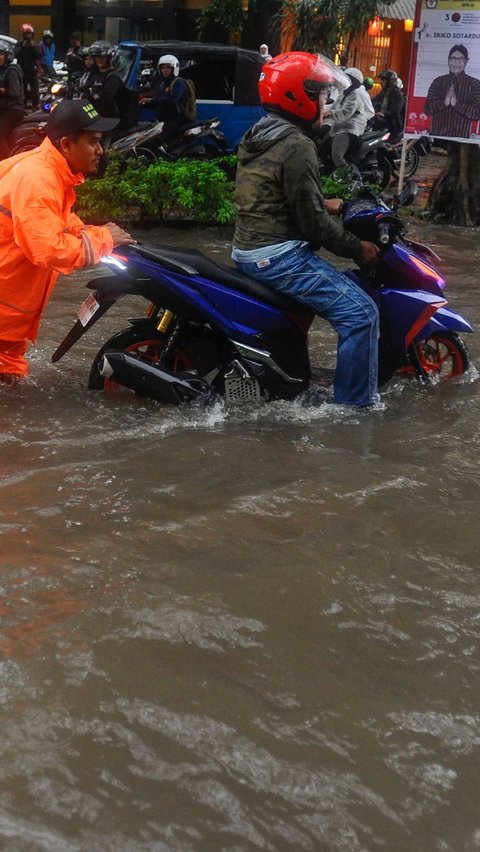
(210, 330)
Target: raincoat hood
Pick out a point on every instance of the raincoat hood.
(263, 135)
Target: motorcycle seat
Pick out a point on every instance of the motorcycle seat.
(194, 262)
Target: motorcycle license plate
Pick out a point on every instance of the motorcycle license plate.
(87, 309)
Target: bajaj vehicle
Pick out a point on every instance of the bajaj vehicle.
(225, 79)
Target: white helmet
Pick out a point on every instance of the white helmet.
(356, 73)
(170, 59)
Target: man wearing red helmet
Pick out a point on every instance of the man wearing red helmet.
(282, 218)
(28, 55)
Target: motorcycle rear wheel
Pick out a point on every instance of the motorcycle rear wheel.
(412, 160)
(442, 355)
(148, 345)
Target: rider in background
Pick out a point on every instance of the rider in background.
(47, 53)
(348, 120)
(390, 104)
(27, 55)
(169, 96)
(108, 93)
(73, 58)
(12, 102)
(84, 81)
(365, 97)
(282, 219)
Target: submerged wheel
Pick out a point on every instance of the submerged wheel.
(443, 354)
(143, 345)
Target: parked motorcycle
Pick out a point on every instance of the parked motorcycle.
(414, 149)
(197, 139)
(210, 330)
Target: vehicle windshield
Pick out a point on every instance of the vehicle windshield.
(123, 61)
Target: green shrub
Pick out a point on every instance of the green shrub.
(131, 192)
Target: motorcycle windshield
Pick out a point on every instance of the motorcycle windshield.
(407, 269)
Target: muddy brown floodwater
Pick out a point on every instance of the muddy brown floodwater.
(236, 630)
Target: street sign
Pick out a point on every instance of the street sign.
(443, 97)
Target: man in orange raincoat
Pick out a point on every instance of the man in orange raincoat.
(39, 235)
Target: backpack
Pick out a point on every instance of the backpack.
(190, 110)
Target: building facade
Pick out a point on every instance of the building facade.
(116, 20)
(147, 20)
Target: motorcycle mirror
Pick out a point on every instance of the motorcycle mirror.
(350, 177)
(408, 194)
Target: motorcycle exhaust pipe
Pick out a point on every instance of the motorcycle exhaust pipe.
(153, 382)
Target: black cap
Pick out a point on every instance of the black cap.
(71, 117)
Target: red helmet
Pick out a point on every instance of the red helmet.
(292, 82)
(27, 28)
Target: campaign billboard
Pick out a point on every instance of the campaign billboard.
(444, 88)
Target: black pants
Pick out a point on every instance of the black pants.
(30, 88)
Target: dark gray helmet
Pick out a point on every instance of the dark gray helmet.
(388, 75)
(7, 49)
(102, 48)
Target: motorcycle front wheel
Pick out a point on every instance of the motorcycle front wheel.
(378, 173)
(442, 355)
(146, 344)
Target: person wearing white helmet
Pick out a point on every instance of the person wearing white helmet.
(48, 50)
(169, 95)
(366, 99)
(347, 119)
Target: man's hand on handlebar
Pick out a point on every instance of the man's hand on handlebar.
(333, 206)
(369, 253)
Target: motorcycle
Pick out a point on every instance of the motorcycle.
(210, 331)
(414, 149)
(370, 156)
(197, 139)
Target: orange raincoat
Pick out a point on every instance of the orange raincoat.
(39, 238)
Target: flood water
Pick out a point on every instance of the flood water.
(254, 629)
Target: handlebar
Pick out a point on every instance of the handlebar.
(384, 233)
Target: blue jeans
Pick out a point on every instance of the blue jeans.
(354, 316)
